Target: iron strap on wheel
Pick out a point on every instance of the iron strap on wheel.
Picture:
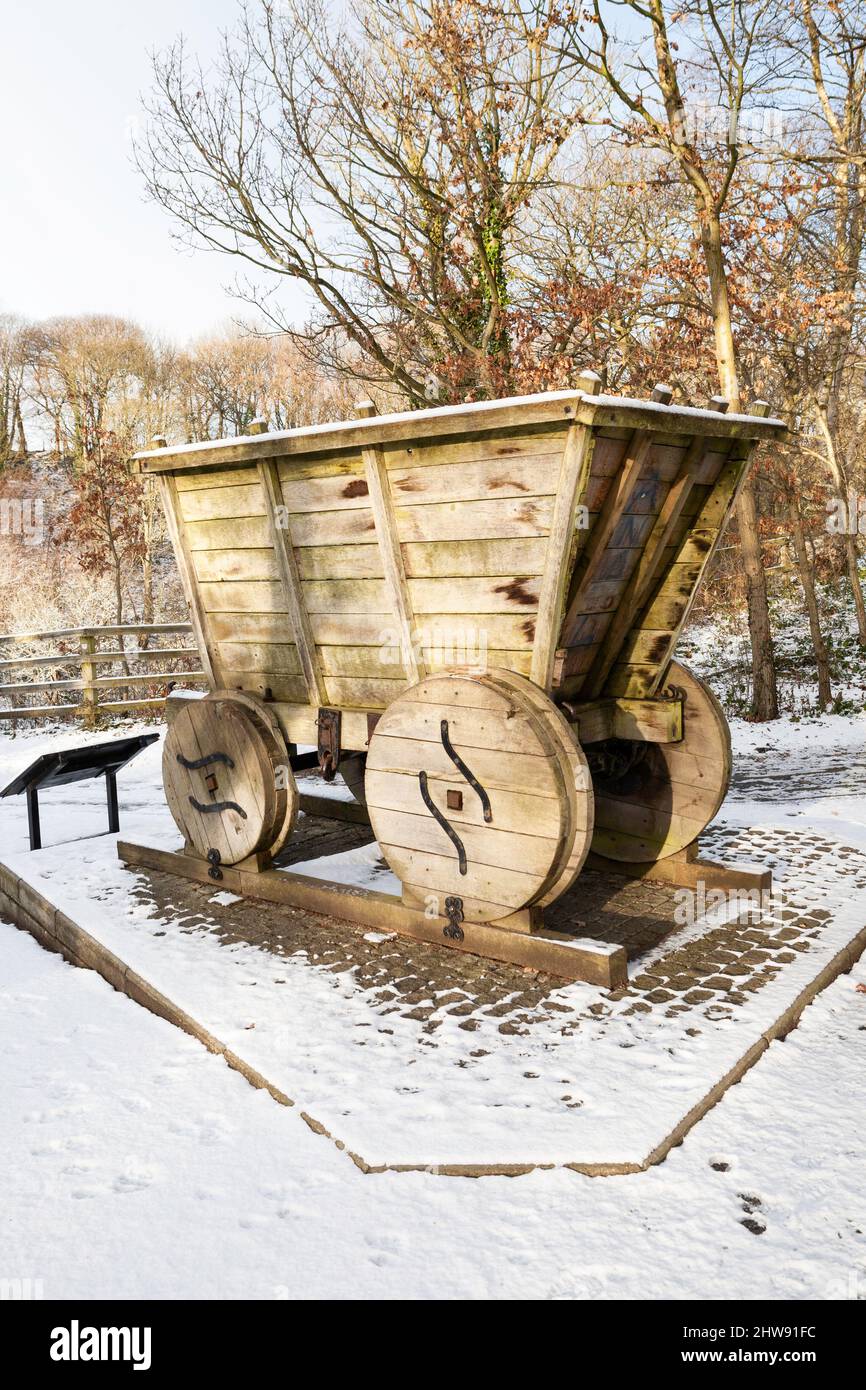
(193, 764)
(217, 806)
(470, 777)
(449, 830)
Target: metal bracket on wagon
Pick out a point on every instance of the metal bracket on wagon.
(329, 724)
(454, 913)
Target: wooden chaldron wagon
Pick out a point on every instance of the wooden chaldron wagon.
(471, 612)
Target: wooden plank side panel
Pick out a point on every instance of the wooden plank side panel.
(218, 566)
(364, 692)
(424, 560)
(247, 658)
(617, 502)
(495, 446)
(423, 482)
(346, 490)
(643, 579)
(204, 634)
(239, 533)
(340, 561)
(496, 519)
(382, 660)
(242, 596)
(469, 595)
(518, 555)
(353, 526)
(467, 636)
(473, 595)
(269, 685)
(662, 513)
(473, 481)
(600, 603)
(219, 503)
(363, 596)
(210, 478)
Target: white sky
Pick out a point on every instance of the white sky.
(76, 234)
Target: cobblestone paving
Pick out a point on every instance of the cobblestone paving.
(700, 972)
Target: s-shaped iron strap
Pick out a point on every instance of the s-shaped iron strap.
(216, 807)
(449, 830)
(470, 777)
(193, 764)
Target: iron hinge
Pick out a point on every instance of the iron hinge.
(454, 913)
(329, 725)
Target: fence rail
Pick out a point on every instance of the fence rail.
(88, 659)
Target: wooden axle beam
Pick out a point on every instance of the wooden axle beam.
(651, 721)
(333, 808)
(647, 721)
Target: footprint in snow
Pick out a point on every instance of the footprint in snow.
(76, 1143)
(752, 1223)
(132, 1181)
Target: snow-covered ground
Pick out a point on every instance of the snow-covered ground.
(135, 1164)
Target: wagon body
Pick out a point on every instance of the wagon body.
(560, 536)
(479, 605)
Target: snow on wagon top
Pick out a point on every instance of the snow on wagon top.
(519, 411)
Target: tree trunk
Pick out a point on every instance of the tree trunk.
(765, 695)
(852, 564)
(840, 483)
(765, 699)
(19, 428)
(807, 581)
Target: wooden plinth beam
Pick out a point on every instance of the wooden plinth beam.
(554, 953)
(686, 870)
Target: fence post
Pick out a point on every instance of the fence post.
(87, 647)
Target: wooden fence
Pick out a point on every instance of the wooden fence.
(85, 663)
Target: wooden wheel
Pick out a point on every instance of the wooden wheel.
(227, 778)
(473, 792)
(578, 777)
(653, 799)
(280, 761)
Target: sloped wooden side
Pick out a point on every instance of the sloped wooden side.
(643, 661)
(656, 504)
(224, 519)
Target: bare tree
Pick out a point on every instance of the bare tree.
(84, 375)
(12, 364)
(227, 380)
(679, 85)
(827, 41)
(384, 162)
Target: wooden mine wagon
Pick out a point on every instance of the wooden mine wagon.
(471, 612)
